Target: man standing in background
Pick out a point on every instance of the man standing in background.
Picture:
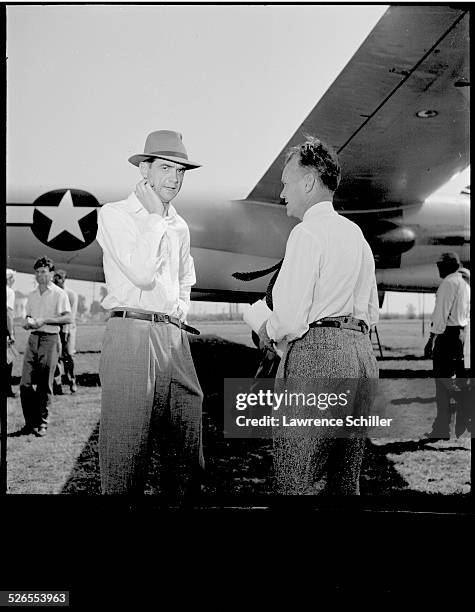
(67, 336)
(10, 330)
(47, 309)
(446, 341)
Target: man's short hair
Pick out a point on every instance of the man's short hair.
(10, 273)
(61, 273)
(450, 262)
(314, 153)
(44, 262)
(449, 257)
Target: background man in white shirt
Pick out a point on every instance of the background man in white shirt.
(146, 370)
(325, 301)
(67, 335)
(46, 309)
(10, 330)
(446, 341)
(465, 274)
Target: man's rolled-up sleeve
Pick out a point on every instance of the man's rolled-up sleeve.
(136, 255)
(292, 294)
(63, 304)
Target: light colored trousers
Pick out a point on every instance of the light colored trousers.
(314, 363)
(149, 389)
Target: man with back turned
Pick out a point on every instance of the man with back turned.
(325, 301)
(446, 341)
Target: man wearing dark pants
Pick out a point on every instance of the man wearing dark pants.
(47, 308)
(148, 379)
(67, 335)
(446, 341)
(325, 301)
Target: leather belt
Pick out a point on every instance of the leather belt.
(154, 317)
(344, 322)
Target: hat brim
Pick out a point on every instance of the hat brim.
(140, 157)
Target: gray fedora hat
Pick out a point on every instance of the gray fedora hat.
(164, 144)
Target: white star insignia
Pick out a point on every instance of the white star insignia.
(65, 217)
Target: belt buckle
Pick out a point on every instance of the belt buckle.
(160, 317)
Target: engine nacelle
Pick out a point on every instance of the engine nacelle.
(389, 238)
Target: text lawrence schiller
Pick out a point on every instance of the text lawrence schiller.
(349, 421)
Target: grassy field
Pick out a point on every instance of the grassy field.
(66, 461)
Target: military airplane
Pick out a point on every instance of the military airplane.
(398, 115)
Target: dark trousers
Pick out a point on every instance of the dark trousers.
(39, 363)
(9, 389)
(67, 360)
(447, 362)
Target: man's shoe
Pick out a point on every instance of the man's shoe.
(73, 388)
(40, 431)
(24, 431)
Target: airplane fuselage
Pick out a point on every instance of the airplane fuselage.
(243, 235)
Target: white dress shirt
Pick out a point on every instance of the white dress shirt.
(10, 298)
(53, 302)
(452, 304)
(73, 301)
(328, 271)
(146, 258)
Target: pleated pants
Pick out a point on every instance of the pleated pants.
(149, 390)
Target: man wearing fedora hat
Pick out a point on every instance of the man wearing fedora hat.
(446, 341)
(146, 369)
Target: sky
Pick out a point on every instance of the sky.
(86, 84)
(90, 82)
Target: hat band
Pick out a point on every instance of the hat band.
(169, 153)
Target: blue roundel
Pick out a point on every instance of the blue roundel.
(65, 219)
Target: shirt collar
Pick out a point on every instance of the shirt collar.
(49, 287)
(135, 206)
(318, 209)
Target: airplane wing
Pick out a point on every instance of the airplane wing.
(398, 114)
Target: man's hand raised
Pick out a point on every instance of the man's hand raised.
(149, 198)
